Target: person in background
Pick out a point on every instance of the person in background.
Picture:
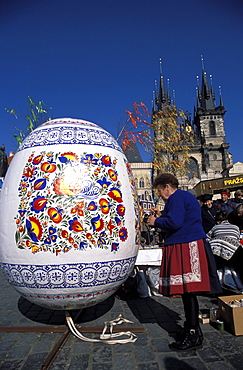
(184, 267)
(146, 232)
(224, 239)
(225, 203)
(238, 196)
(208, 212)
(236, 217)
(3, 161)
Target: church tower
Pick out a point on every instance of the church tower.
(209, 153)
(210, 149)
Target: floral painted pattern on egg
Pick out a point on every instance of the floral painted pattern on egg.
(69, 216)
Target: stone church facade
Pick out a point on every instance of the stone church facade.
(209, 156)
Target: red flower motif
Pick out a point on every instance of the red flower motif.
(55, 214)
(123, 234)
(112, 174)
(120, 210)
(48, 167)
(75, 225)
(115, 194)
(34, 228)
(64, 233)
(29, 172)
(106, 160)
(37, 159)
(104, 205)
(78, 209)
(69, 156)
(110, 226)
(28, 243)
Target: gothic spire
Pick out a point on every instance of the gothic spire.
(199, 95)
(212, 90)
(162, 86)
(153, 103)
(168, 92)
(206, 96)
(221, 104)
(174, 97)
(162, 92)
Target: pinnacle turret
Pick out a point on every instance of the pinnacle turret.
(162, 94)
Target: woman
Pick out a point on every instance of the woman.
(184, 267)
(236, 217)
(208, 212)
(225, 203)
(224, 240)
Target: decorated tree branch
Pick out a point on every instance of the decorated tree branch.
(37, 114)
(137, 129)
(173, 140)
(168, 138)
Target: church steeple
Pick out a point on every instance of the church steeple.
(162, 95)
(206, 96)
(221, 104)
(162, 85)
(212, 90)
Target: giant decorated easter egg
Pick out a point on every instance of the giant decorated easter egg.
(68, 216)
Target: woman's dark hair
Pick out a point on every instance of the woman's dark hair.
(239, 210)
(221, 216)
(164, 179)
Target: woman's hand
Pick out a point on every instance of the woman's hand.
(155, 212)
(151, 220)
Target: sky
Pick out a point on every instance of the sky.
(93, 59)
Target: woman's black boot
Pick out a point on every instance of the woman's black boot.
(190, 339)
(181, 333)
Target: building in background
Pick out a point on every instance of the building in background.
(142, 171)
(210, 158)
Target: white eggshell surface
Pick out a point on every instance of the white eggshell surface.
(68, 216)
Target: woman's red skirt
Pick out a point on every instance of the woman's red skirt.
(184, 269)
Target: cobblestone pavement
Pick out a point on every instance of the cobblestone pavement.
(158, 316)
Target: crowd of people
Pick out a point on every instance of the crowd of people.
(222, 221)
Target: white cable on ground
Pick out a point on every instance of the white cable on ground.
(104, 337)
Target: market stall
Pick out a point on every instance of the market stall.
(147, 268)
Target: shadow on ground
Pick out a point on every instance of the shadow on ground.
(148, 310)
(57, 317)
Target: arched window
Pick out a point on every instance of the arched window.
(214, 157)
(193, 168)
(212, 130)
(136, 182)
(148, 184)
(141, 182)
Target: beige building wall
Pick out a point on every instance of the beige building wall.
(142, 173)
(237, 169)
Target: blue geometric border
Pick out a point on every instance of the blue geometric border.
(69, 135)
(74, 275)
